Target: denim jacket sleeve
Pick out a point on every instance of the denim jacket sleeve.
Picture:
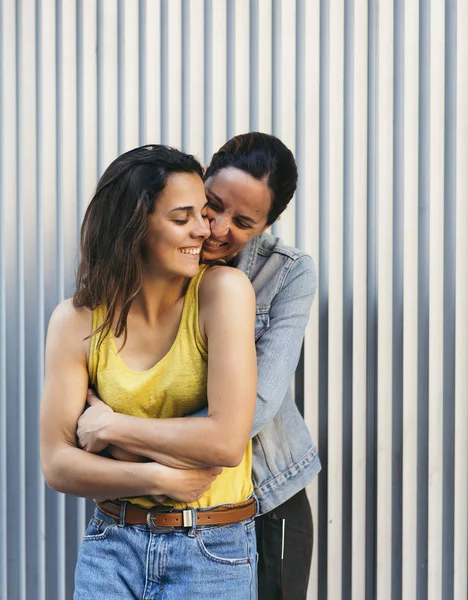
(279, 348)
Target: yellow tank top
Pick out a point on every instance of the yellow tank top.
(173, 387)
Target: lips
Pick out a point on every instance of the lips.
(214, 244)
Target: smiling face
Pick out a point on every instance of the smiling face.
(238, 207)
(177, 228)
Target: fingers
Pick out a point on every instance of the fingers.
(91, 397)
(159, 499)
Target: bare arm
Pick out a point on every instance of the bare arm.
(69, 469)
(227, 313)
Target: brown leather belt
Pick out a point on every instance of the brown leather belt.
(163, 519)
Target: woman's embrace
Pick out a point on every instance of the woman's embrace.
(157, 336)
(162, 331)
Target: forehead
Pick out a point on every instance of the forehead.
(181, 189)
(240, 192)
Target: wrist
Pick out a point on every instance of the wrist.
(156, 478)
(106, 431)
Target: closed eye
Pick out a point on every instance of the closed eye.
(242, 224)
(213, 205)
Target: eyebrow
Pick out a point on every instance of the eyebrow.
(185, 208)
(243, 217)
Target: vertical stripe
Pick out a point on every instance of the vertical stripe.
(371, 359)
(410, 285)
(142, 66)
(436, 297)
(130, 70)
(208, 75)
(173, 80)
(348, 307)
(164, 88)
(449, 286)
(152, 99)
(8, 190)
(397, 300)
(335, 299)
(322, 298)
(309, 181)
(286, 226)
(423, 299)
(265, 66)
(461, 314)
(40, 524)
(359, 349)
(218, 89)
(107, 77)
(185, 88)
(384, 191)
(59, 499)
(197, 84)
(254, 65)
(239, 61)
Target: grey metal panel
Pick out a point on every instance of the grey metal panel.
(67, 108)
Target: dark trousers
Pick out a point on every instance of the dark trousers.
(287, 579)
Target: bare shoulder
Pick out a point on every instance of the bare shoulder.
(225, 283)
(70, 324)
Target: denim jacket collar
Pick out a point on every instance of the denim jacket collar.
(245, 260)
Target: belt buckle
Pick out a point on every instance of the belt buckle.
(158, 529)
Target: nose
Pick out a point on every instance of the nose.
(202, 229)
(219, 225)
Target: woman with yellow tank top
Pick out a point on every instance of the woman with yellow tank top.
(158, 337)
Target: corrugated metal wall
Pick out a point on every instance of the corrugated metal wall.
(373, 98)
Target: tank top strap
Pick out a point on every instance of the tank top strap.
(99, 314)
(190, 321)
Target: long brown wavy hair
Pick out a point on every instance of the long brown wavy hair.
(115, 227)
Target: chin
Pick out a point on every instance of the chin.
(210, 256)
(191, 271)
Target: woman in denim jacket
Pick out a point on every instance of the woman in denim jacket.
(248, 184)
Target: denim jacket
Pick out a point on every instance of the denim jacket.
(285, 458)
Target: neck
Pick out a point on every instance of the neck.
(158, 295)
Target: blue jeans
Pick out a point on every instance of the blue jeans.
(129, 561)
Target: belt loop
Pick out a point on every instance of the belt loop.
(193, 529)
(123, 512)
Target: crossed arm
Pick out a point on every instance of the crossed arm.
(226, 298)
(71, 470)
(168, 440)
(227, 319)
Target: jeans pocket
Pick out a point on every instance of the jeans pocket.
(99, 526)
(228, 544)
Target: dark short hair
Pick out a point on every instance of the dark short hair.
(265, 158)
(115, 226)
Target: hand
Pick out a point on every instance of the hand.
(92, 423)
(186, 485)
